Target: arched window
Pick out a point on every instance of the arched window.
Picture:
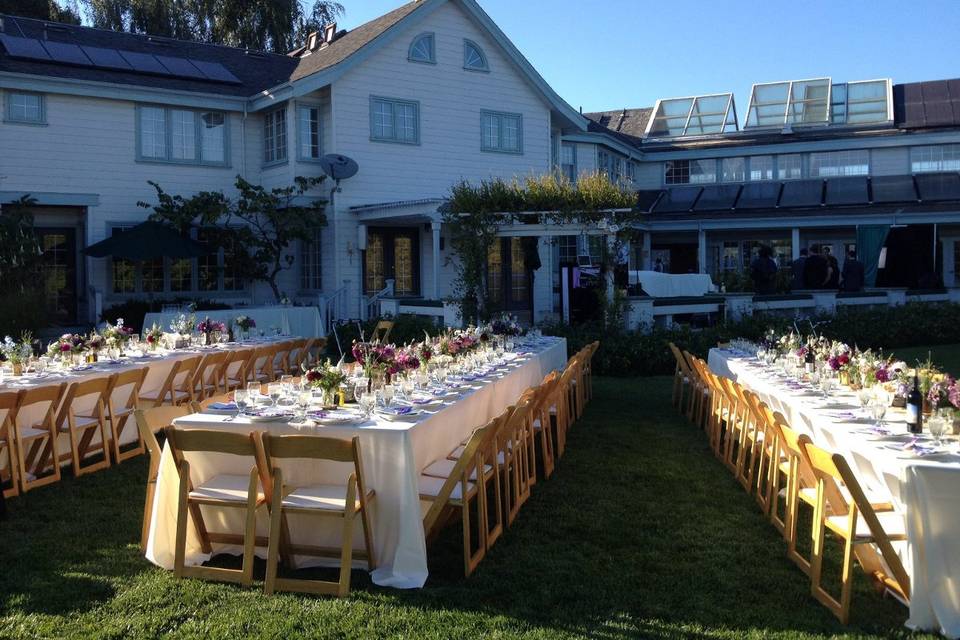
(423, 49)
(473, 57)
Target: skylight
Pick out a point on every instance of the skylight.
(694, 116)
(818, 101)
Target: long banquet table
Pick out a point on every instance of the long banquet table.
(299, 321)
(923, 487)
(394, 453)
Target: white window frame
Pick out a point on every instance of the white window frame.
(301, 142)
(275, 142)
(9, 96)
(168, 157)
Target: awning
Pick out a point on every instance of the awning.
(147, 241)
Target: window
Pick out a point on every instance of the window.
(568, 249)
(777, 104)
(690, 171)
(631, 171)
(789, 167)
(733, 170)
(375, 279)
(495, 272)
(423, 49)
(27, 108)
(501, 132)
(124, 271)
(761, 167)
(181, 274)
(310, 264)
(473, 57)
(275, 136)
(603, 163)
(308, 131)
(697, 116)
(208, 266)
(852, 162)
(394, 120)
(944, 157)
(568, 160)
(182, 136)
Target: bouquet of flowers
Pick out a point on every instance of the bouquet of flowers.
(183, 324)
(69, 343)
(245, 323)
(95, 342)
(117, 334)
(374, 357)
(944, 393)
(407, 359)
(209, 326)
(506, 325)
(154, 336)
(326, 377)
(425, 351)
(17, 352)
(839, 357)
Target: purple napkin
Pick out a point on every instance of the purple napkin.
(398, 411)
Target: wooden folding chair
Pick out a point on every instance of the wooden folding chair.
(121, 403)
(561, 405)
(8, 410)
(700, 372)
(344, 501)
(208, 378)
(156, 397)
(455, 493)
(199, 406)
(261, 366)
(295, 356)
(92, 395)
(541, 423)
(381, 333)
(281, 358)
(223, 491)
(511, 442)
(590, 352)
(35, 441)
(235, 369)
(149, 423)
(854, 520)
(682, 378)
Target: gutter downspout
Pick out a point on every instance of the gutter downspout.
(243, 140)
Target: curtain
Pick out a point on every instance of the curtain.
(870, 241)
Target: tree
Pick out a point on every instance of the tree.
(22, 303)
(268, 25)
(270, 222)
(42, 10)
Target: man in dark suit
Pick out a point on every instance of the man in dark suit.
(797, 268)
(852, 273)
(816, 271)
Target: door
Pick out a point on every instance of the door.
(392, 254)
(508, 278)
(59, 272)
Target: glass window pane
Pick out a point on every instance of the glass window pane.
(184, 133)
(26, 107)
(677, 172)
(181, 274)
(789, 167)
(124, 271)
(853, 162)
(212, 137)
(382, 119)
(511, 133)
(495, 272)
(375, 279)
(733, 170)
(703, 171)
(406, 122)
(151, 275)
(153, 132)
(309, 132)
(422, 49)
(403, 265)
(518, 271)
(208, 271)
(935, 158)
(761, 167)
(491, 131)
(310, 276)
(808, 101)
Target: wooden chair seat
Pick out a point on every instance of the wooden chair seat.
(893, 525)
(443, 469)
(224, 488)
(30, 432)
(155, 396)
(429, 488)
(809, 495)
(321, 497)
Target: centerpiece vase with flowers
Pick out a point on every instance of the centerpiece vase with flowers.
(377, 360)
(17, 353)
(117, 335)
(245, 324)
(94, 343)
(154, 336)
(328, 379)
(208, 328)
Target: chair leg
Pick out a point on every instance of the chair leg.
(180, 548)
(250, 530)
(346, 548)
(273, 542)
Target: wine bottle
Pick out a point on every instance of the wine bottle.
(809, 361)
(915, 407)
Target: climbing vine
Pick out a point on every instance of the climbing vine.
(474, 211)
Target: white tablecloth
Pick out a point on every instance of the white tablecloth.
(925, 489)
(667, 285)
(297, 321)
(394, 454)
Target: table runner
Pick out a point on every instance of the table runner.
(885, 467)
(394, 453)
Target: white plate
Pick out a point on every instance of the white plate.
(340, 416)
(271, 417)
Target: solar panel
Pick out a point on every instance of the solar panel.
(759, 195)
(180, 67)
(678, 199)
(936, 187)
(24, 47)
(888, 189)
(144, 62)
(106, 58)
(802, 193)
(215, 71)
(66, 52)
(849, 190)
(718, 197)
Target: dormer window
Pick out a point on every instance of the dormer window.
(473, 57)
(423, 49)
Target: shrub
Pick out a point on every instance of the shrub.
(24, 311)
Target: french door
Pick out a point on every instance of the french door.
(58, 272)
(508, 279)
(392, 253)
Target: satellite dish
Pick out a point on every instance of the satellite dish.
(339, 167)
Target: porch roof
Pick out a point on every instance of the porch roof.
(417, 210)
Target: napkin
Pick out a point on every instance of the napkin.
(223, 406)
(397, 410)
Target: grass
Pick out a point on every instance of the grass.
(945, 356)
(640, 533)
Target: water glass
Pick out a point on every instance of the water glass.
(274, 390)
(368, 401)
(388, 394)
(359, 388)
(303, 403)
(879, 409)
(253, 392)
(240, 398)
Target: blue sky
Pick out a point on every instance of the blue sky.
(628, 53)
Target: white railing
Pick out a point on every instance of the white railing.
(332, 308)
(371, 305)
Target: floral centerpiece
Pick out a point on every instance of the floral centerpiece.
(210, 327)
(183, 324)
(117, 335)
(376, 359)
(506, 325)
(68, 346)
(93, 344)
(244, 323)
(326, 377)
(945, 394)
(17, 352)
(154, 336)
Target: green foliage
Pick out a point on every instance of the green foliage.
(22, 311)
(633, 353)
(407, 328)
(258, 227)
(51, 10)
(133, 311)
(22, 303)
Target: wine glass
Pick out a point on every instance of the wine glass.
(879, 409)
(240, 398)
(253, 392)
(368, 400)
(826, 383)
(864, 396)
(937, 425)
(274, 390)
(303, 403)
(359, 388)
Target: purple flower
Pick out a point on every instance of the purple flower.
(882, 374)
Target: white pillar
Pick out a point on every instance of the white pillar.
(646, 260)
(795, 242)
(611, 251)
(435, 227)
(949, 278)
(702, 250)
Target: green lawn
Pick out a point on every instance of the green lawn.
(946, 356)
(640, 533)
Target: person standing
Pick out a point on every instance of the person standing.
(833, 275)
(763, 270)
(816, 270)
(797, 268)
(658, 267)
(853, 273)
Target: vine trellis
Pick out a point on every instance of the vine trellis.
(474, 212)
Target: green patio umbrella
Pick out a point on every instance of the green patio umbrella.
(147, 241)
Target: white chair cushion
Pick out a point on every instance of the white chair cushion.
(893, 525)
(30, 432)
(430, 487)
(225, 486)
(325, 497)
